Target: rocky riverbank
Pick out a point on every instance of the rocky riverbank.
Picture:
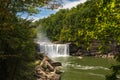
(48, 70)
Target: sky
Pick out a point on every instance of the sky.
(44, 12)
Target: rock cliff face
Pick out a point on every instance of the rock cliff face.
(48, 70)
(94, 49)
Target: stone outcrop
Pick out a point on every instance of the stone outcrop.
(73, 49)
(48, 70)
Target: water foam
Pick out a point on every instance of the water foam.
(54, 50)
(94, 74)
(78, 66)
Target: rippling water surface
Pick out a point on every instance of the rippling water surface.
(85, 68)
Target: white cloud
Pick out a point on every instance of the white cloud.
(67, 4)
(70, 4)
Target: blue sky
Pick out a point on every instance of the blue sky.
(44, 12)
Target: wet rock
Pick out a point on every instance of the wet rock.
(48, 70)
(54, 64)
(73, 49)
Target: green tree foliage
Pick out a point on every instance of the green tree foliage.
(17, 49)
(17, 52)
(107, 22)
(108, 27)
(74, 25)
(93, 20)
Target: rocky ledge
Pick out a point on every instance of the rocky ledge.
(48, 70)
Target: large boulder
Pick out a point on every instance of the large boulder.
(54, 64)
(73, 49)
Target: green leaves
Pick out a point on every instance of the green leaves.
(17, 48)
(97, 19)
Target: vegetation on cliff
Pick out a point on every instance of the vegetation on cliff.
(94, 20)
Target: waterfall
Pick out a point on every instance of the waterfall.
(54, 50)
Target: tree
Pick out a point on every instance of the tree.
(92, 20)
(111, 20)
(17, 48)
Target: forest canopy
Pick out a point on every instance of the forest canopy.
(94, 20)
(17, 47)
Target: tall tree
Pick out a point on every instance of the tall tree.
(17, 49)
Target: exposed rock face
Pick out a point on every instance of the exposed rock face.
(73, 49)
(76, 51)
(48, 70)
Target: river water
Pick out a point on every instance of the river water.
(85, 68)
(77, 68)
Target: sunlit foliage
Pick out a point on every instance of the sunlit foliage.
(93, 20)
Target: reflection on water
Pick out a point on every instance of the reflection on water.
(87, 68)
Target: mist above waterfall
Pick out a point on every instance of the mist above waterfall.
(51, 49)
(41, 37)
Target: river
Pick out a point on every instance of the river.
(77, 68)
(85, 68)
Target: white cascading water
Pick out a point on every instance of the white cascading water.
(54, 50)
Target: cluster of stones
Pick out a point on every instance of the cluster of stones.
(48, 70)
